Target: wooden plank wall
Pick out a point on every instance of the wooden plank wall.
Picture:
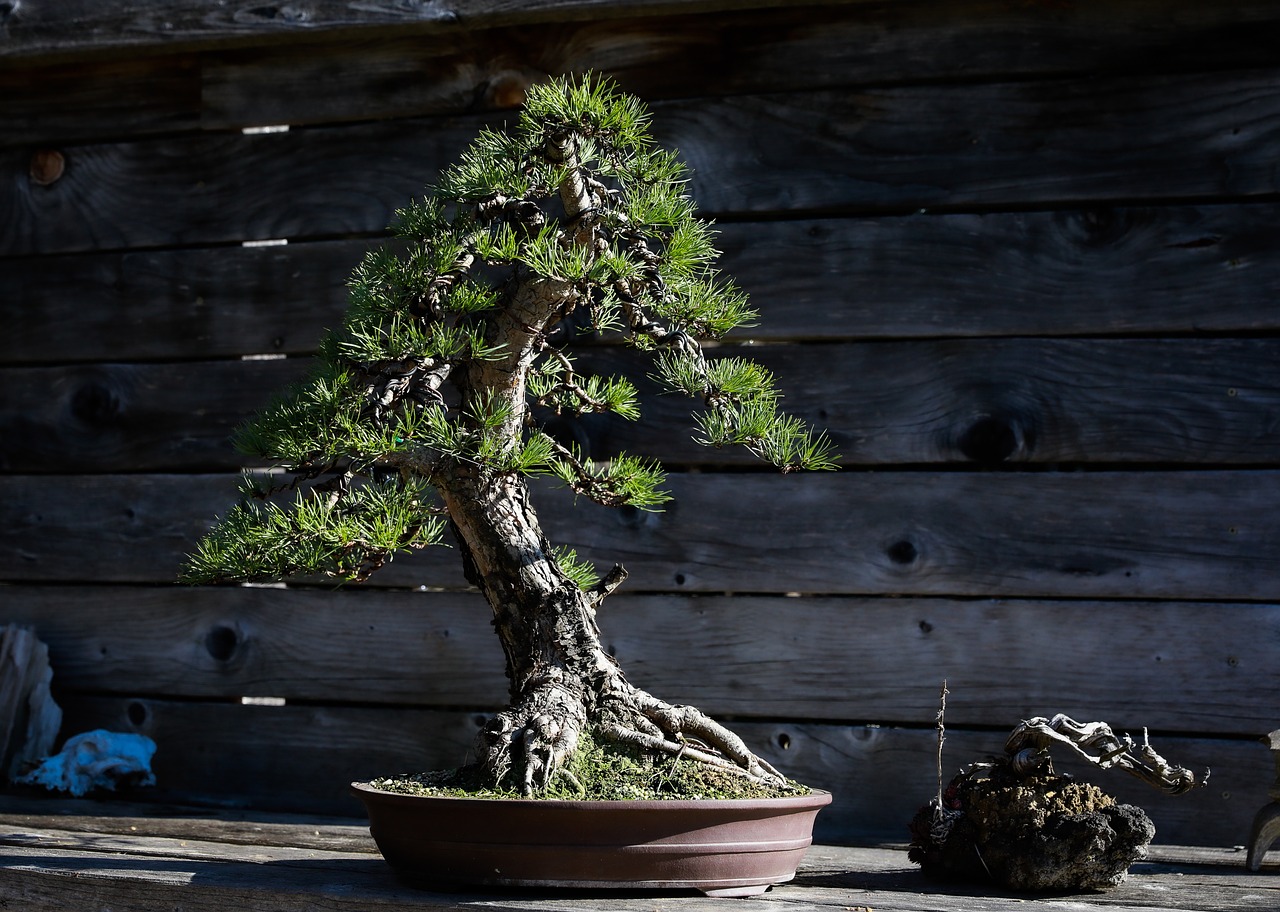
(1020, 257)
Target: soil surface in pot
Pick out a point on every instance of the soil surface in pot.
(601, 771)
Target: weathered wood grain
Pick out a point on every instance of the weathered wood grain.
(24, 819)
(32, 28)
(196, 873)
(116, 418)
(21, 814)
(1093, 271)
(1154, 534)
(300, 758)
(723, 52)
(984, 146)
(1173, 401)
(191, 848)
(225, 187)
(1133, 663)
(833, 151)
(1100, 270)
(175, 304)
(990, 402)
(70, 101)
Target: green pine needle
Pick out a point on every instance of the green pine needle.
(430, 306)
(582, 572)
(315, 534)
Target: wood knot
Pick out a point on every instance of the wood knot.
(507, 90)
(137, 713)
(47, 166)
(903, 552)
(95, 404)
(990, 439)
(1103, 226)
(221, 643)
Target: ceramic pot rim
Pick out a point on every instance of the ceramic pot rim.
(815, 798)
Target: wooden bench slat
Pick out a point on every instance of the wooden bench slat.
(831, 878)
(121, 817)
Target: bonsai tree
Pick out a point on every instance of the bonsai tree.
(422, 416)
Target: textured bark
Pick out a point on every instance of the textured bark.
(554, 660)
(561, 678)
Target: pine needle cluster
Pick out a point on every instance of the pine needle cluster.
(575, 199)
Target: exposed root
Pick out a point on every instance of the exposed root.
(530, 742)
(686, 732)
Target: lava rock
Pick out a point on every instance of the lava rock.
(1044, 832)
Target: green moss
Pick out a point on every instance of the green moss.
(599, 770)
(1024, 807)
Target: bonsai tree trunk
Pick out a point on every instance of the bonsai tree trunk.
(562, 679)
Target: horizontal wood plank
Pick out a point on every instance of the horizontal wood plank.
(1097, 271)
(68, 820)
(300, 758)
(984, 402)
(989, 402)
(983, 146)
(49, 870)
(1185, 535)
(46, 104)
(175, 305)
(226, 187)
(33, 29)
(1100, 270)
(772, 657)
(150, 820)
(776, 48)
(130, 417)
(833, 151)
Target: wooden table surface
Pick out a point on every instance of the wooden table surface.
(93, 857)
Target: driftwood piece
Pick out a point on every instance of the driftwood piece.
(29, 717)
(1028, 746)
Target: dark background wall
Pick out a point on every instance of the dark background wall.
(1019, 257)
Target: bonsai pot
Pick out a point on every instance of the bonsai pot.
(721, 847)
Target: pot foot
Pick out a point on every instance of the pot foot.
(734, 892)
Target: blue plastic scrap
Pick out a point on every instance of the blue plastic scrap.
(96, 760)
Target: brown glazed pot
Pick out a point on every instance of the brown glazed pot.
(730, 847)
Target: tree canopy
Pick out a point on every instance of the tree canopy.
(459, 334)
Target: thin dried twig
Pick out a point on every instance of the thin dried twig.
(942, 735)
